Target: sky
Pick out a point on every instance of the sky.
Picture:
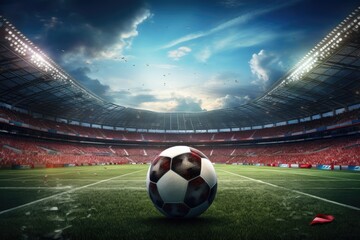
(178, 55)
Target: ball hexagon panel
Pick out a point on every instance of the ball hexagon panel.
(208, 172)
(174, 151)
(176, 209)
(155, 195)
(159, 167)
(172, 187)
(187, 165)
(197, 192)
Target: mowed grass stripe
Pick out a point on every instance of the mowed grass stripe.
(69, 191)
(295, 191)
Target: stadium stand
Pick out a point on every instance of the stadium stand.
(273, 132)
(310, 116)
(22, 151)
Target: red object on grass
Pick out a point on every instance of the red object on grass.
(322, 218)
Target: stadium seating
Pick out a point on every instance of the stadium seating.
(273, 132)
(16, 150)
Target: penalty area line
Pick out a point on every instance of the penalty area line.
(62, 193)
(295, 191)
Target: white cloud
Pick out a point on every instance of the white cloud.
(51, 23)
(110, 51)
(204, 54)
(179, 53)
(126, 37)
(232, 3)
(228, 24)
(132, 30)
(230, 101)
(187, 104)
(266, 67)
(256, 65)
(173, 103)
(241, 39)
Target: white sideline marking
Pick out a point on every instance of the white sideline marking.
(70, 187)
(296, 191)
(332, 188)
(34, 188)
(71, 180)
(69, 191)
(315, 188)
(290, 180)
(119, 188)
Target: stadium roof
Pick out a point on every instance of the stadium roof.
(327, 78)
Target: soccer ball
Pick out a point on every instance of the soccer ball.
(181, 182)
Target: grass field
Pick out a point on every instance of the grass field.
(112, 203)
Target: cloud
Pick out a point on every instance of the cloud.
(204, 54)
(230, 101)
(129, 99)
(51, 23)
(244, 18)
(173, 103)
(100, 43)
(92, 30)
(266, 67)
(187, 104)
(232, 3)
(230, 83)
(94, 85)
(240, 39)
(179, 53)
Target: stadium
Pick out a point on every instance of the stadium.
(73, 165)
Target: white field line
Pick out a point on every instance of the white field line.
(296, 191)
(311, 175)
(72, 180)
(70, 187)
(62, 193)
(119, 188)
(331, 188)
(315, 188)
(289, 180)
(35, 188)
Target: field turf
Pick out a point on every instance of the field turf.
(111, 202)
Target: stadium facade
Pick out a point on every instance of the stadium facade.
(324, 83)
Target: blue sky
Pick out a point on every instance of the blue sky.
(176, 55)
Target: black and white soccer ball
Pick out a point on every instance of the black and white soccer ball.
(181, 182)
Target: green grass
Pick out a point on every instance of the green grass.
(120, 208)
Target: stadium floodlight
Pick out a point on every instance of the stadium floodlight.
(323, 50)
(20, 44)
(27, 51)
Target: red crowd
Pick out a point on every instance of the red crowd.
(23, 151)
